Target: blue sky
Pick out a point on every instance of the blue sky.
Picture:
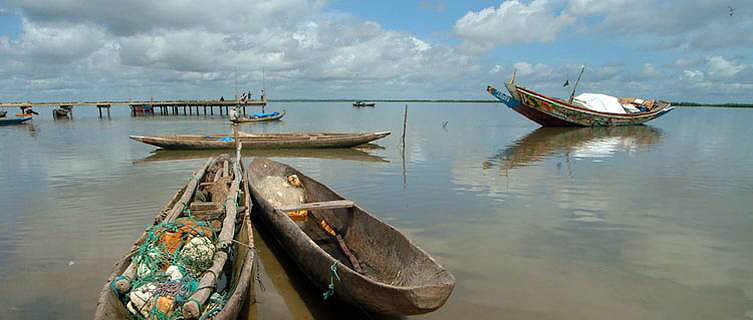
(689, 50)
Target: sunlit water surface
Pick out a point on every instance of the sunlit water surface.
(649, 222)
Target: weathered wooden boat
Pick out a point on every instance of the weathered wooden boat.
(553, 112)
(260, 117)
(263, 141)
(364, 104)
(208, 279)
(577, 142)
(343, 248)
(20, 118)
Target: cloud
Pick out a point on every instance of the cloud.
(512, 22)
(720, 66)
(658, 24)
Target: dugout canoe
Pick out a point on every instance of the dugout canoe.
(237, 267)
(261, 117)
(379, 269)
(262, 141)
(553, 112)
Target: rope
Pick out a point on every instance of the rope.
(331, 288)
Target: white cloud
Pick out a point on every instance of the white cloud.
(649, 71)
(695, 75)
(512, 22)
(720, 66)
(497, 69)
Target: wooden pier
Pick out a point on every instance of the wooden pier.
(138, 108)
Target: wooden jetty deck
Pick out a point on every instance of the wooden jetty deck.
(144, 107)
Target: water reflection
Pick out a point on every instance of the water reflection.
(352, 154)
(596, 142)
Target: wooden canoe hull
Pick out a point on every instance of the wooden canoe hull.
(377, 245)
(12, 121)
(550, 112)
(109, 305)
(263, 141)
(263, 119)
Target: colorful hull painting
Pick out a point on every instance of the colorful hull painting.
(12, 121)
(551, 112)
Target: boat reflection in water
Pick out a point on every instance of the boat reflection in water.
(354, 154)
(591, 142)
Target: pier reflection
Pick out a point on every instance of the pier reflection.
(592, 142)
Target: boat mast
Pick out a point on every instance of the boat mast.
(572, 95)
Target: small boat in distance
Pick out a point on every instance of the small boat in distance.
(342, 248)
(20, 118)
(262, 141)
(62, 112)
(586, 110)
(363, 104)
(260, 117)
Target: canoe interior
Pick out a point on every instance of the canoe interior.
(386, 256)
(109, 305)
(251, 137)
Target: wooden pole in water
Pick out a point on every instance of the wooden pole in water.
(405, 122)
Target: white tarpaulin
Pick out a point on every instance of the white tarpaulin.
(600, 102)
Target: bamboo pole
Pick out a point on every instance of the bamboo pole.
(124, 283)
(572, 95)
(192, 308)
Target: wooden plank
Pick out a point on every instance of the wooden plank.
(203, 206)
(337, 204)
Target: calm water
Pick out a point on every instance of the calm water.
(652, 222)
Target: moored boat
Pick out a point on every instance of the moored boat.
(364, 104)
(61, 112)
(592, 110)
(342, 248)
(194, 261)
(260, 117)
(21, 118)
(263, 141)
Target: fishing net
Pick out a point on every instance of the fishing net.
(168, 270)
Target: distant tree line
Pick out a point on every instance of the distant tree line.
(720, 105)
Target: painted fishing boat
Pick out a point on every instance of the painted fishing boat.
(342, 248)
(586, 112)
(364, 104)
(20, 118)
(260, 117)
(263, 141)
(191, 263)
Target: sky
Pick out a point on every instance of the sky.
(679, 50)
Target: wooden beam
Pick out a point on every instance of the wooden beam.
(337, 204)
